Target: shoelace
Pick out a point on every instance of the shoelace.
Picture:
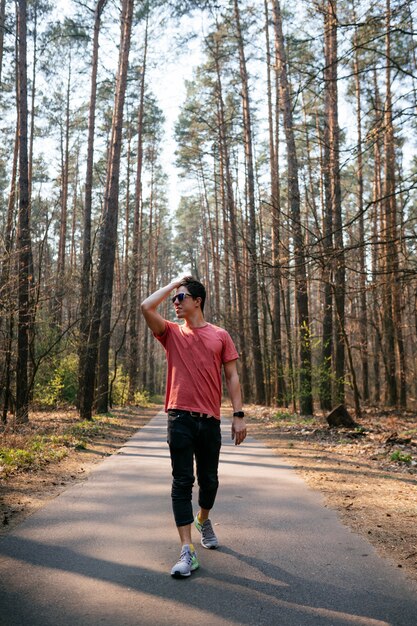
(186, 556)
(207, 530)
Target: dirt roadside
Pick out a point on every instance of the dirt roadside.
(353, 468)
(373, 495)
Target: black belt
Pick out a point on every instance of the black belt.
(195, 413)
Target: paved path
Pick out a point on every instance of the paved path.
(101, 552)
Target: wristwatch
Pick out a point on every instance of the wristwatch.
(238, 414)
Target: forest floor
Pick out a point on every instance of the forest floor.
(367, 474)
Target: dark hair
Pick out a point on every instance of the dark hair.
(196, 289)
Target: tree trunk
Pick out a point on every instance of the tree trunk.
(85, 301)
(279, 383)
(23, 234)
(101, 312)
(325, 386)
(136, 242)
(305, 390)
(60, 274)
(331, 61)
(389, 207)
(231, 212)
(392, 314)
(6, 289)
(2, 23)
(377, 221)
(363, 314)
(253, 278)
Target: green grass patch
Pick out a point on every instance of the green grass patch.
(86, 428)
(401, 457)
(38, 452)
(293, 418)
(409, 433)
(42, 449)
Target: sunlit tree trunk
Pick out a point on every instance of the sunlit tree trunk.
(363, 314)
(253, 274)
(136, 243)
(85, 299)
(231, 212)
(325, 386)
(23, 232)
(331, 61)
(101, 312)
(279, 383)
(305, 391)
(392, 313)
(61, 262)
(390, 216)
(6, 290)
(2, 23)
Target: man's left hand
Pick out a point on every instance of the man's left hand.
(238, 430)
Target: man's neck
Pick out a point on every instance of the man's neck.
(196, 320)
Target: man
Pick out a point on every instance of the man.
(195, 352)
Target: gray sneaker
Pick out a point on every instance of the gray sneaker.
(208, 536)
(187, 563)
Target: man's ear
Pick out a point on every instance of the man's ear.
(199, 300)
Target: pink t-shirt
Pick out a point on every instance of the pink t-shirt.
(195, 357)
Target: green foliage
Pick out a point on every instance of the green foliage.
(40, 451)
(401, 457)
(85, 428)
(142, 398)
(287, 416)
(43, 449)
(57, 383)
(120, 388)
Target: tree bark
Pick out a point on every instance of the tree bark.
(253, 277)
(136, 242)
(378, 221)
(231, 212)
(279, 382)
(61, 262)
(2, 24)
(101, 313)
(363, 314)
(392, 313)
(325, 386)
(6, 289)
(387, 223)
(331, 61)
(305, 385)
(85, 300)
(23, 234)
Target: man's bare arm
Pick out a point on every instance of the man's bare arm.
(149, 306)
(233, 387)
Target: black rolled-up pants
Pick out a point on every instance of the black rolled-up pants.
(188, 438)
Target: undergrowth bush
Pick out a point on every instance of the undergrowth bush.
(142, 398)
(401, 457)
(57, 382)
(120, 388)
(42, 449)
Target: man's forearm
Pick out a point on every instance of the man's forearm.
(155, 299)
(235, 394)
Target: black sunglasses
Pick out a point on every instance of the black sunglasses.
(180, 297)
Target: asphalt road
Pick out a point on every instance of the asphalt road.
(101, 552)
